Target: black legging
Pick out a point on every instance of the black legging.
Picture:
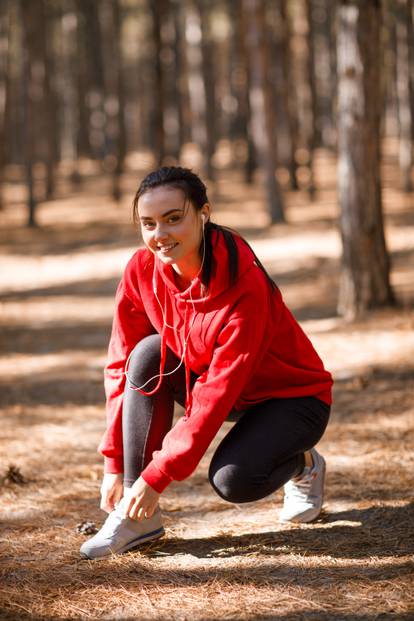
(261, 452)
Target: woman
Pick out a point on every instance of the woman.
(199, 321)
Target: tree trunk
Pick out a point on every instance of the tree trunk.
(263, 122)
(403, 32)
(157, 11)
(50, 101)
(325, 76)
(181, 56)
(365, 280)
(242, 85)
(196, 83)
(68, 91)
(285, 91)
(4, 72)
(111, 23)
(179, 92)
(121, 147)
(207, 68)
(411, 60)
(30, 91)
(14, 113)
(173, 73)
(313, 116)
(82, 138)
(96, 85)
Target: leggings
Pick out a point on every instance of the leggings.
(261, 452)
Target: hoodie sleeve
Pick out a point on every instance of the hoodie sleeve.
(238, 350)
(130, 325)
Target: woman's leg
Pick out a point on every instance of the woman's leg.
(265, 448)
(146, 420)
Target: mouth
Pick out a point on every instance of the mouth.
(166, 248)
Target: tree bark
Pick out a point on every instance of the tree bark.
(313, 116)
(96, 84)
(50, 101)
(179, 85)
(82, 138)
(403, 32)
(111, 24)
(121, 147)
(241, 85)
(4, 72)
(197, 85)
(411, 61)
(207, 68)
(263, 121)
(173, 80)
(181, 71)
(284, 89)
(31, 89)
(157, 11)
(365, 280)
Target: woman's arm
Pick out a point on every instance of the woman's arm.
(239, 348)
(130, 325)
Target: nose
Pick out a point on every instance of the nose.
(159, 233)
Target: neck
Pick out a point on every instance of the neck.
(185, 274)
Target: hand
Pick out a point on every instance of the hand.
(143, 501)
(112, 490)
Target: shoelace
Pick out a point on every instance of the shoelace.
(301, 488)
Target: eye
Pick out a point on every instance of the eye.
(147, 225)
(173, 219)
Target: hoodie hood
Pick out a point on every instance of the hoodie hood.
(220, 273)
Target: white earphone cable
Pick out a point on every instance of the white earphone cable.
(186, 338)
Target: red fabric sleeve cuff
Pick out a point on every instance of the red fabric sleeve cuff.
(113, 465)
(155, 477)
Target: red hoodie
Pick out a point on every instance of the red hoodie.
(244, 344)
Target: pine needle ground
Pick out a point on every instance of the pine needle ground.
(217, 561)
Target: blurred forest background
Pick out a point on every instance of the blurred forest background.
(89, 85)
(299, 115)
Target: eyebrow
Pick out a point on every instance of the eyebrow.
(167, 213)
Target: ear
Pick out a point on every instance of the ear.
(205, 214)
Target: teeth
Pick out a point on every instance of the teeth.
(166, 247)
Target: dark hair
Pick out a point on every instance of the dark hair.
(195, 191)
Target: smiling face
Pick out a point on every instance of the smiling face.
(172, 228)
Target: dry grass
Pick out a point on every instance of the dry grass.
(217, 561)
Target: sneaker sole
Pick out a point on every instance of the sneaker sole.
(155, 534)
(307, 516)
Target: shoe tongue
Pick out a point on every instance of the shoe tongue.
(121, 506)
(117, 515)
(111, 522)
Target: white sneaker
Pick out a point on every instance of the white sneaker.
(304, 496)
(119, 534)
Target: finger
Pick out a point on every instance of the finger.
(141, 514)
(132, 513)
(106, 504)
(149, 512)
(128, 508)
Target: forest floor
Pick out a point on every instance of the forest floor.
(217, 560)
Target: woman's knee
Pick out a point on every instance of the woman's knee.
(234, 484)
(145, 359)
